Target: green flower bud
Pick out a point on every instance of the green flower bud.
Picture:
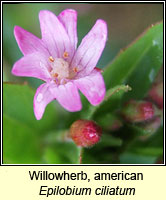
(150, 128)
(156, 94)
(138, 111)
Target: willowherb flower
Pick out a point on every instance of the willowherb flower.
(55, 59)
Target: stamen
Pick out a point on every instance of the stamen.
(55, 75)
(75, 69)
(63, 81)
(56, 81)
(60, 70)
(65, 54)
(51, 59)
(99, 70)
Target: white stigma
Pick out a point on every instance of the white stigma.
(60, 69)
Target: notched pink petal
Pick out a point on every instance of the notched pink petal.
(42, 97)
(91, 48)
(92, 87)
(54, 34)
(32, 65)
(67, 95)
(68, 18)
(29, 43)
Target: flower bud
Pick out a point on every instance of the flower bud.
(153, 125)
(156, 94)
(138, 111)
(150, 128)
(85, 133)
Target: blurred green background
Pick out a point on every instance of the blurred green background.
(27, 140)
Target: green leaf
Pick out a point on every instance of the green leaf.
(109, 140)
(110, 122)
(110, 103)
(146, 140)
(61, 153)
(138, 64)
(5, 76)
(149, 151)
(20, 143)
(59, 148)
(147, 145)
(103, 152)
(140, 130)
(18, 104)
(131, 158)
(23, 138)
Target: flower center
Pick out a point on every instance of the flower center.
(60, 68)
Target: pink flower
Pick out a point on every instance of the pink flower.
(55, 59)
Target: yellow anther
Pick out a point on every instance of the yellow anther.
(75, 69)
(64, 82)
(65, 54)
(55, 75)
(51, 59)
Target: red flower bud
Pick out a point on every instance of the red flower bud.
(156, 94)
(138, 111)
(85, 133)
